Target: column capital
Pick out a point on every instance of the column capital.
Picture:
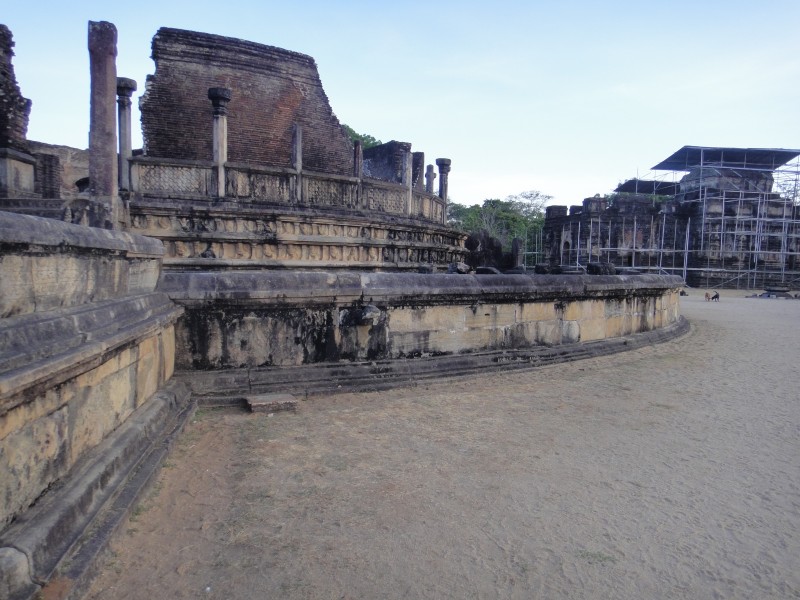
(219, 96)
(125, 86)
(125, 89)
(443, 164)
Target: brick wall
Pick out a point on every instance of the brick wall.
(58, 168)
(272, 89)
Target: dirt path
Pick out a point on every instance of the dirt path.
(667, 472)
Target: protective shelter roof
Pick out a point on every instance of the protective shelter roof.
(762, 159)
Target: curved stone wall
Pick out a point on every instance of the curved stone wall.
(245, 320)
(85, 341)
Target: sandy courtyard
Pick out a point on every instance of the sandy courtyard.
(667, 472)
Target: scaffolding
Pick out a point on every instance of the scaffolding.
(730, 217)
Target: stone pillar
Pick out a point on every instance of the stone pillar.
(106, 209)
(358, 170)
(518, 252)
(358, 159)
(418, 160)
(297, 160)
(430, 175)
(408, 181)
(444, 169)
(220, 97)
(125, 89)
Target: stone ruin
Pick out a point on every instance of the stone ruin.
(276, 258)
(723, 224)
(245, 165)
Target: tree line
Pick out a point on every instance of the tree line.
(518, 216)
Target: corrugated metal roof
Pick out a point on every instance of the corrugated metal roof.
(762, 159)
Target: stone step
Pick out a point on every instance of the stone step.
(271, 403)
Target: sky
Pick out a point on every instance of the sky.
(569, 98)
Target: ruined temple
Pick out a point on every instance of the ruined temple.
(245, 165)
(248, 249)
(723, 224)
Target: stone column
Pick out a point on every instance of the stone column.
(106, 210)
(444, 169)
(430, 175)
(358, 159)
(297, 160)
(358, 170)
(125, 89)
(220, 97)
(518, 251)
(408, 181)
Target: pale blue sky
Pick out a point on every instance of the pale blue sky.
(568, 98)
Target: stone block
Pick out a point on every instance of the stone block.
(25, 412)
(573, 310)
(549, 332)
(615, 326)
(570, 332)
(406, 320)
(585, 309)
(15, 576)
(148, 369)
(592, 329)
(104, 398)
(537, 311)
(271, 403)
(16, 175)
(167, 339)
(30, 459)
(16, 295)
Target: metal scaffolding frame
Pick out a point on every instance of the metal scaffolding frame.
(735, 222)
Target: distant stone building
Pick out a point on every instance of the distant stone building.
(723, 225)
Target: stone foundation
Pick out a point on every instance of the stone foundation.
(85, 345)
(246, 320)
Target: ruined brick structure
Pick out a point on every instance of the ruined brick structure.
(246, 166)
(272, 90)
(34, 177)
(14, 109)
(723, 225)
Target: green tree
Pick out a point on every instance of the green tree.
(367, 141)
(519, 215)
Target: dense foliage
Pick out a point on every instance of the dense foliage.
(520, 215)
(367, 141)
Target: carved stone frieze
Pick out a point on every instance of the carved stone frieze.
(231, 238)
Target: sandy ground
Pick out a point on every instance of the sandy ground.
(667, 472)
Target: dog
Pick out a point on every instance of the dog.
(715, 297)
(708, 297)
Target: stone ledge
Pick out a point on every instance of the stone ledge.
(283, 287)
(115, 473)
(270, 403)
(27, 230)
(232, 386)
(41, 350)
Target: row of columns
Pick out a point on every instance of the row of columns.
(220, 97)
